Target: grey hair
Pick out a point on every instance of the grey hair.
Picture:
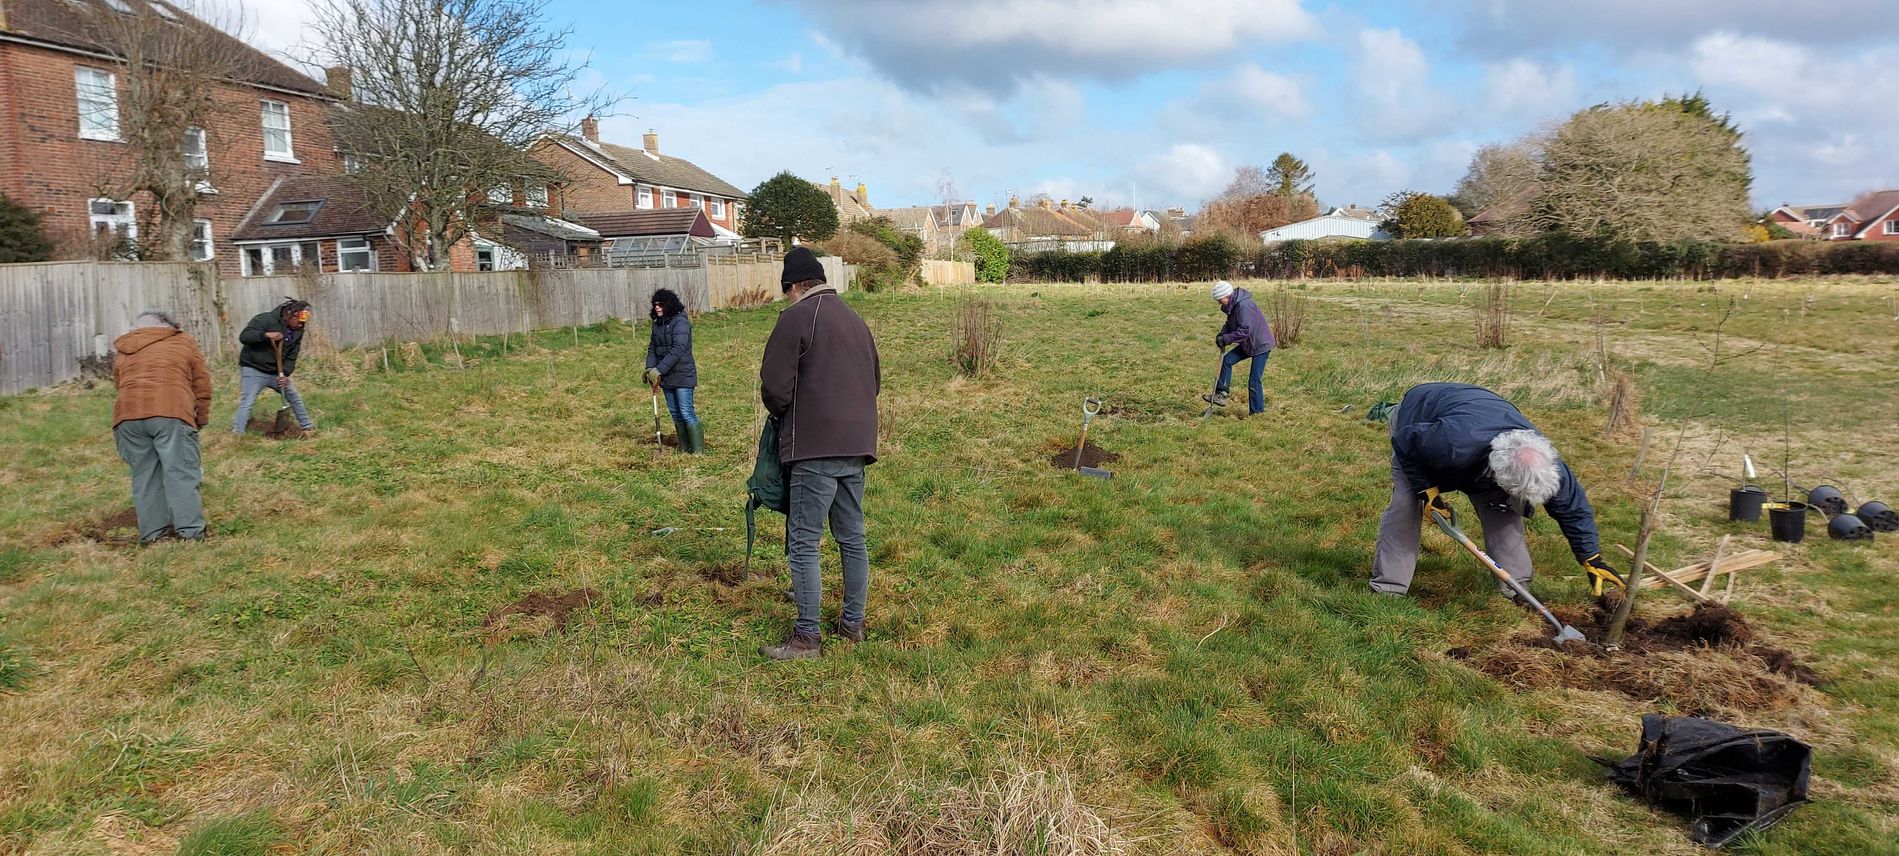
(154, 318)
(1526, 466)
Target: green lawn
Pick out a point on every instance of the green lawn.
(1183, 659)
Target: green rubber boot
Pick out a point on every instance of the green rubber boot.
(679, 435)
(694, 437)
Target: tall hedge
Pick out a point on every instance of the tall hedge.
(1548, 256)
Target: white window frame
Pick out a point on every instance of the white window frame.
(267, 254)
(101, 89)
(1890, 228)
(266, 109)
(536, 196)
(201, 234)
(346, 247)
(643, 197)
(501, 194)
(669, 199)
(718, 208)
(1841, 230)
(127, 218)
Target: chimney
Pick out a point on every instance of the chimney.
(651, 141)
(590, 129)
(1014, 202)
(341, 82)
(837, 190)
(989, 210)
(1042, 204)
(863, 193)
(1064, 205)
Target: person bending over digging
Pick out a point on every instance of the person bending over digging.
(1458, 437)
(271, 343)
(820, 379)
(164, 398)
(669, 367)
(1252, 339)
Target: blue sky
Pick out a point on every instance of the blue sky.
(1156, 103)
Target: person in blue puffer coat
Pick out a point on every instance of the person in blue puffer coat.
(1251, 338)
(670, 367)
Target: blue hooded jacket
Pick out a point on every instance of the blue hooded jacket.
(1246, 325)
(1441, 438)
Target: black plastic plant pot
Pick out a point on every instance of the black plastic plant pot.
(1846, 527)
(1876, 515)
(1744, 502)
(1828, 499)
(1788, 521)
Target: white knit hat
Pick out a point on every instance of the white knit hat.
(1222, 289)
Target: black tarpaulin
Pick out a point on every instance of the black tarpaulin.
(1725, 780)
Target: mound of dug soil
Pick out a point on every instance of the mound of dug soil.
(670, 441)
(1091, 456)
(1704, 662)
(555, 607)
(118, 529)
(268, 428)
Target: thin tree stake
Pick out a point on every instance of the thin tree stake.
(1714, 566)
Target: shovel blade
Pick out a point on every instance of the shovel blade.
(1094, 472)
(282, 425)
(1569, 634)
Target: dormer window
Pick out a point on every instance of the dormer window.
(1841, 230)
(117, 6)
(163, 11)
(292, 213)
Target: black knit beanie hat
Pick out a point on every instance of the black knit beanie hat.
(800, 265)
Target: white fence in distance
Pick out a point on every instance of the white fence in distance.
(57, 316)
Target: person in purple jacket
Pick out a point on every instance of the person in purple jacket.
(1252, 339)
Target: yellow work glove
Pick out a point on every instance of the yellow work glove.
(1600, 572)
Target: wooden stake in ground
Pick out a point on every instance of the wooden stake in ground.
(1650, 567)
(1714, 566)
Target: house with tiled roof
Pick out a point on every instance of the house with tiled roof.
(1870, 217)
(606, 178)
(65, 129)
(1043, 226)
(852, 206)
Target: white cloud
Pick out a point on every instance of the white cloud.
(1392, 77)
(1491, 27)
(1188, 172)
(997, 44)
(1524, 87)
(682, 51)
(1273, 94)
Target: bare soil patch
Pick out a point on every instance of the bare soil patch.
(1091, 456)
(268, 428)
(724, 573)
(557, 608)
(118, 529)
(1704, 662)
(670, 441)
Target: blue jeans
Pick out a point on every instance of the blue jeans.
(1255, 394)
(826, 490)
(252, 383)
(679, 404)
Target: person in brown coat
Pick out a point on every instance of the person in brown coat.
(820, 378)
(164, 398)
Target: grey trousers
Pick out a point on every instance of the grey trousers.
(826, 489)
(166, 472)
(1399, 533)
(251, 383)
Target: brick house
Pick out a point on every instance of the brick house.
(1870, 217)
(604, 178)
(60, 143)
(851, 206)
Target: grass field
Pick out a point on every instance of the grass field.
(1183, 659)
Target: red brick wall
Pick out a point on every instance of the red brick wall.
(1876, 231)
(592, 190)
(588, 189)
(45, 164)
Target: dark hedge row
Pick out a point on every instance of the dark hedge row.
(1551, 256)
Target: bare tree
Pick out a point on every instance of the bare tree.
(448, 96)
(1497, 173)
(174, 66)
(1253, 203)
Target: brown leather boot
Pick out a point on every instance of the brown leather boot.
(852, 630)
(797, 646)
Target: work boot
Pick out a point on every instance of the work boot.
(1217, 399)
(852, 630)
(695, 437)
(679, 435)
(797, 646)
